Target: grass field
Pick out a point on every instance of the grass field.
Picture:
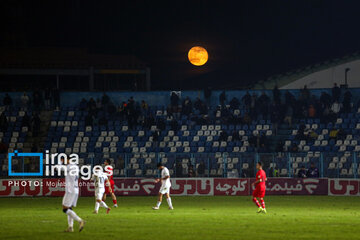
(289, 217)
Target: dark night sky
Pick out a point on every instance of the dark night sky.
(246, 40)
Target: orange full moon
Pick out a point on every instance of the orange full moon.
(198, 56)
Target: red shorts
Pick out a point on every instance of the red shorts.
(259, 192)
(107, 188)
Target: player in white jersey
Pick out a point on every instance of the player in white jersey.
(165, 187)
(71, 196)
(100, 180)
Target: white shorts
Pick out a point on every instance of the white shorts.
(164, 189)
(99, 194)
(70, 199)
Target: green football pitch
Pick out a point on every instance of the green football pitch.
(288, 217)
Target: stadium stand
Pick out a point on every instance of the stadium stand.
(215, 141)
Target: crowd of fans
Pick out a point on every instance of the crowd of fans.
(47, 99)
(286, 109)
(279, 109)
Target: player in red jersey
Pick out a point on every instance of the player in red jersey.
(260, 188)
(112, 183)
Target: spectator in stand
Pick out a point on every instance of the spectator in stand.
(144, 107)
(121, 111)
(174, 100)
(336, 107)
(247, 100)
(187, 106)
(36, 123)
(313, 171)
(120, 163)
(190, 170)
(201, 169)
(161, 125)
(131, 104)
(263, 139)
(302, 172)
(333, 133)
(56, 98)
(24, 102)
(262, 149)
(289, 99)
(34, 147)
(105, 100)
(223, 136)
(83, 104)
(341, 135)
(263, 105)
(247, 119)
(274, 172)
(301, 132)
(131, 113)
(203, 109)
(91, 106)
(347, 102)
(178, 169)
(277, 95)
(3, 122)
(311, 111)
(280, 147)
(305, 94)
(235, 136)
(203, 120)
(326, 115)
(312, 135)
(253, 110)
(358, 104)
(197, 103)
(289, 115)
(294, 148)
(7, 101)
(207, 95)
(222, 98)
(275, 116)
(98, 105)
(234, 103)
(25, 120)
(88, 120)
(95, 120)
(336, 92)
(3, 147)
(155, 138)
(253, 141)
(325, 99)
(111, 109)
(174, 125)
(103, 121)
(37, 101)
(47, 97)
(149, 121)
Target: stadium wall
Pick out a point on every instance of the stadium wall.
(54, 187)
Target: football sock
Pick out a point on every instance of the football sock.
(114, 201)
(256, 202)
(169, 202)
(73, 215)
(70, 221)
(262, 203)
(158, 204)
(103, 204)
(97, 206)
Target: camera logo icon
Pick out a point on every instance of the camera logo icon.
(25, 174)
